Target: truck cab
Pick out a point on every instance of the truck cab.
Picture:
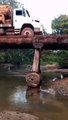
(24, 24)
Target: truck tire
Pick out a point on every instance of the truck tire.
(27, 32)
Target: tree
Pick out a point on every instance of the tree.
(16, 56)
(13, 3)
(60, 25)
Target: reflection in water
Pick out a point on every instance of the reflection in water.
(38, 102)
(33, 95)
(37, 96)
(19, 95)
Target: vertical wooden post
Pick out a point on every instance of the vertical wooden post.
(33, 79)
(36, 61)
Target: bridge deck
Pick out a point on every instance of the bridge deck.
(49, 41)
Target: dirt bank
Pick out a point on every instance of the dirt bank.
(53, 68)
(61, 86)
(12, 115)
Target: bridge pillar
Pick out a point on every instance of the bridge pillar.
(33, 79)
(36, 61)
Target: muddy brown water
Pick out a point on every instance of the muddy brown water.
(16, 96)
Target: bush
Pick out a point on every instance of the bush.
(63, 58)
(49, 57)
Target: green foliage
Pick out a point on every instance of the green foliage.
(59, 57)
(63, 58)
(2, 56)
(60, 25)
(13, 3)
(16, 56)
(25, 56)
(49, 57)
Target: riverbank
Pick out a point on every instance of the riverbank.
(13, 115)
(61, 87)
(24, 69)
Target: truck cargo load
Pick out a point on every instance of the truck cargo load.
(5, 14)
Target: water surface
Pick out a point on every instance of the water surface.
(15, 95)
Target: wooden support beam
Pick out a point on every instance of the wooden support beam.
(36, 61)
(49, 39)
(33, 79)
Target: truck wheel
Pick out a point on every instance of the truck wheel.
(27, 32)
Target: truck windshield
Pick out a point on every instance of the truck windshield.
(27, 13)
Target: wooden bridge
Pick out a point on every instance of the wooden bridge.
(38, 42)
(45, 42)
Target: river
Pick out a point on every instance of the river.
(16, 96)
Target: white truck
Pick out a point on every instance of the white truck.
(18, 21)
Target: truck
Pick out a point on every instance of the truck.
(18, 21)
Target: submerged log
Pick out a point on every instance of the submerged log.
(33, 79)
